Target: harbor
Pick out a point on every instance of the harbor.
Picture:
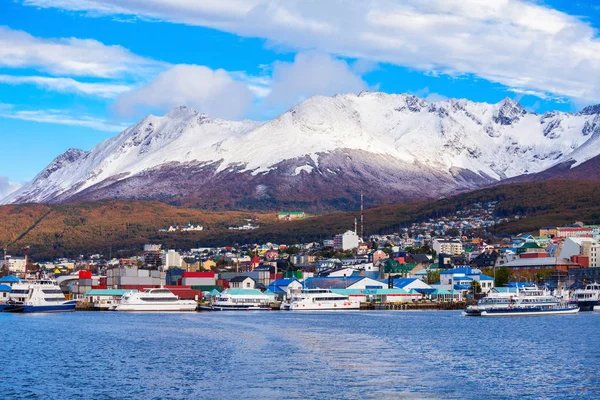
(302, 355)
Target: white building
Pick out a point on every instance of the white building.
(594, 255)
(242, 282)
(345, 241)
(577, 246)
(171, 259)
(16, 265)
(453, 247)
(461, 279)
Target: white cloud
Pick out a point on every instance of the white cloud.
(517, 43)
(67, 85)
(61, 117)
(259, 85)
(71, 56)
(311, 73)
(426, 94)
(7, 186)
(536, 93)
(212, 92)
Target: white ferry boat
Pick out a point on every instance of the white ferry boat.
(527, 301)
(241, 299)
(588, 298)
(38, 296)
(159, 299)
(321, 299)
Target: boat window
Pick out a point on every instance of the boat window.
(52, 291)
(157, 299)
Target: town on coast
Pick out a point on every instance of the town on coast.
(437, 264)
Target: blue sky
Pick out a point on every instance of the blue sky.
(74, 73)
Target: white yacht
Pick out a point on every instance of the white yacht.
(321, 299)
(42, 295)
(528, 300)
(158, 299)
(241, 299)
(588, 298)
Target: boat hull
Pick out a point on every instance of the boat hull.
(316, 306)
(589, 305)
(522, 312)
(39, 309)
(156, 307)
(233, 308)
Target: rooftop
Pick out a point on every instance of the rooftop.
(108, 292)
(535, 262)
(9, 279)
(243, 292)
(241, 278)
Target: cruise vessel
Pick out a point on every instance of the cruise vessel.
(38, 296)
(528, 301)
(241, 299)
(158, 299)
(588, 298)
(321, 299)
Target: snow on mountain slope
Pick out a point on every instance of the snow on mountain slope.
(448, 146)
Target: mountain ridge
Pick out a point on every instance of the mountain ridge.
(395, 147)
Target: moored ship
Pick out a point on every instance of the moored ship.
(528, 301)
(241, 299)
(42, 295)
(321, 299)
(588, 298)
(156, 299)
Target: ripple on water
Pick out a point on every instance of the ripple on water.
(299, 355)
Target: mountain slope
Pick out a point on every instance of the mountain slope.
(320, 154)
(122, 227)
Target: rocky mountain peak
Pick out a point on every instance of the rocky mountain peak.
(66, 158)
(388, 135)
(508, 111)
(590, 110)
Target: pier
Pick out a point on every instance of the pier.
(455, 305)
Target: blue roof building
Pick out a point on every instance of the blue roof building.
(9, 280)
(462, 279)
(4, 291)
(284, 287)
(348, 282)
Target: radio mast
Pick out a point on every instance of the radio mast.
(362, 225)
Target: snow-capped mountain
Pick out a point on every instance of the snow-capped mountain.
(321, 154)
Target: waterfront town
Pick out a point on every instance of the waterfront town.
(437, 261)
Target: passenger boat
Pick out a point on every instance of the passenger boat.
(588, 298)
(241, 300)
(157, 299)
(321, 299)
(37, 296)
(528, 301)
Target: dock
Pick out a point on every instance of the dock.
(455, 305)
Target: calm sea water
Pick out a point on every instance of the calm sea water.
(274, 355)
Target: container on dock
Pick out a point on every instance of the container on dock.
(85, 275)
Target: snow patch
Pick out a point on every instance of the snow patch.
(306, 168)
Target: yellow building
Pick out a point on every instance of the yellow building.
(208, 265)
(548, 231)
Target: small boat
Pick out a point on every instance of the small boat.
(528, 301)
(588, 298)
(320, 299)
(37, 296)
(241, 300)
(156, 299)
